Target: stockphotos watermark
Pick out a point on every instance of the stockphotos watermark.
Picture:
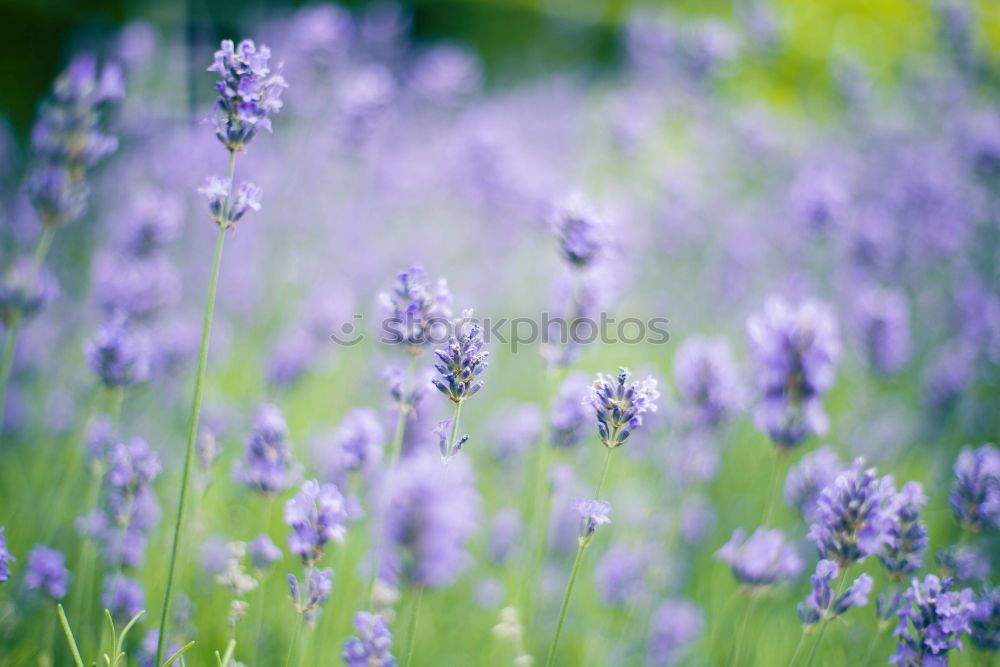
(516, 332)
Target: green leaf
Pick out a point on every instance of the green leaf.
(69, 636)
(179, 653)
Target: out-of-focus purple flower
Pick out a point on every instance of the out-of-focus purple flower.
(289, 359)
(570, 415)
(263, 552)
(985, 623)
(795, 351)
(853, 515)
(372, 647)
(881, 320)
(620, 404)
(516, 430)
(505, 534)
(316, 515)
(578, 298)
(6, 558)
(978, 314)
(268, 466)
(489, 593)
(318, 588)
(765, 558)
(413, 310)
(462, 362)
(226, 206)
(123, 597)
(146, 656)
(693, 458)
(946, 377)
(138, 287)
(931, 621)
(697, 518)
(118, 353)
(46, 571)
(820, 602)
(214, 554)
(975, 491)
(249, 92)
(964, 563)
(58, 197)
(579, 230)
(129, 509)
(904, 551)
(151, 221)
(26, 289)
(620, 576)
(433, 512)
(446, 74)
(593, 514)
(807, 478)
(708, 379)
(676, 624)
(361, 439)
(818, 197)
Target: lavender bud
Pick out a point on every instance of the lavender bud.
(373, 644)
(268, 466)
(25, 291)
(985, 622)
(579, 230)
(676, 624)
(570, 416)
(765, 558)
(118, 354)
(462, 362)
(248, 93)
(227, 207)
(907, 536)
(123, 597)
(413, 310)
(263, 552)
(593, 513)
(931, 620)
(619, 405)
(806, 479)
(708, 380)
(316, 515)
(46, 571)
(975, 492)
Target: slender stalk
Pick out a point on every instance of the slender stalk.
(604, 474)
(295, 639)
(42, 245)
(454, 427)
(9, 336)
(872, 645)
(772, 487)
(259, 611)
(826, 618)
(206, 331)
(412, 629)
(798, 648)
(565, 602)
(69, 637)
(741, 633)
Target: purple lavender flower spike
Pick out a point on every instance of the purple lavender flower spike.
(25, 291)
(123, 597)
(129, 509)
(579, 230)
(373, 645)
(317, 591)
(820, 603)
(263, 552)
(975, 492)
(413, 310)
(765, 558)
(593, 514)
(903, 553)
(316, 515)
(795, 350)
(931, 621)
(853, 515)
(249, 92)
(964, 563)
(985, 623)
(676, 624)
(361, 438)
(139, 288)
(57, 196)
(569, 417)
(6, 558)
(708, 380)
(505, 534)
(620, 404)
(806, 479)
(881, 320)
(268, 466)
(118, 354)
(227, 207)
(152, 221)
(620, 576)
(462, 362)
(46, 571)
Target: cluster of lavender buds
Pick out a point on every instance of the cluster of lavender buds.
(404, 397)
(795, 350)
(931, 621)
(449, 442)
(25, 290)
(579, 230)
(593, 514)
(319, 584)
(806, 479)
(123, 597)
(46, 572)
(881, 320)
(226, 206)
(570, 415)
(964, 562)
(372, 647)
(853, 515)
(985, 622)
(67, 138)
(249, 92)
(263, 552)
(462, 362)
(820, 603)
(903, 553)
(359, 441)
(6, 558)
(765, 558)
(708, 380)
(118, 354)
(413, 310)
(975, 492)
(675, 626)
(268, 466)
(620, 404)
(316, 515)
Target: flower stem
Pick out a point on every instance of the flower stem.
(454, 429)
(5, 365)
(872, 645)
(195, 413)
(741, 633)
(826, 617)
(798, 648)
(772, 487)
(69, 637)
(295, 639)
(412, 630)
(604, 475)
(565, 602)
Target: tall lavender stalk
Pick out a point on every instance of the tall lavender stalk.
(248, 93)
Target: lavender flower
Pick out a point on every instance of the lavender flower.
(227, 207)
(964, 563)
(46, 571)
(268, 466)
(620, 576)
(620, 405)
(462, 362)
(676, 624)
(317, 592)
(975, 492)
(263, 552)
(361, 439)
(708, 379)
(820, 603)
(593, 514)
(505, 534)
(853, 515)
(881, 320)
(579, 230)
(25, 290)
(6, 558)
(570, 416)
(766, 558)
(152, 221)
(58, 196)
(795, 351)
(372, 647)
(985, 622)
(249, 92)
(413, 310)
(931, 622)
(316, 515)
(904, 551)
(139, 288)
(123, 597)
(806, 479)
(118, 354)
(129, 510)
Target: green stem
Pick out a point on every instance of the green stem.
(826, 618)
(454, 429)
(5, 365)
(42, 245)
(295, 639)
(412, 629)
(872, 644)
(565, 602)
(772, 487)
(69, 637)
(604, 474)
(206, 330)
(798, 648)
(741, 633)
(259, 611)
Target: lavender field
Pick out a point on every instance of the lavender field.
(326, 341)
